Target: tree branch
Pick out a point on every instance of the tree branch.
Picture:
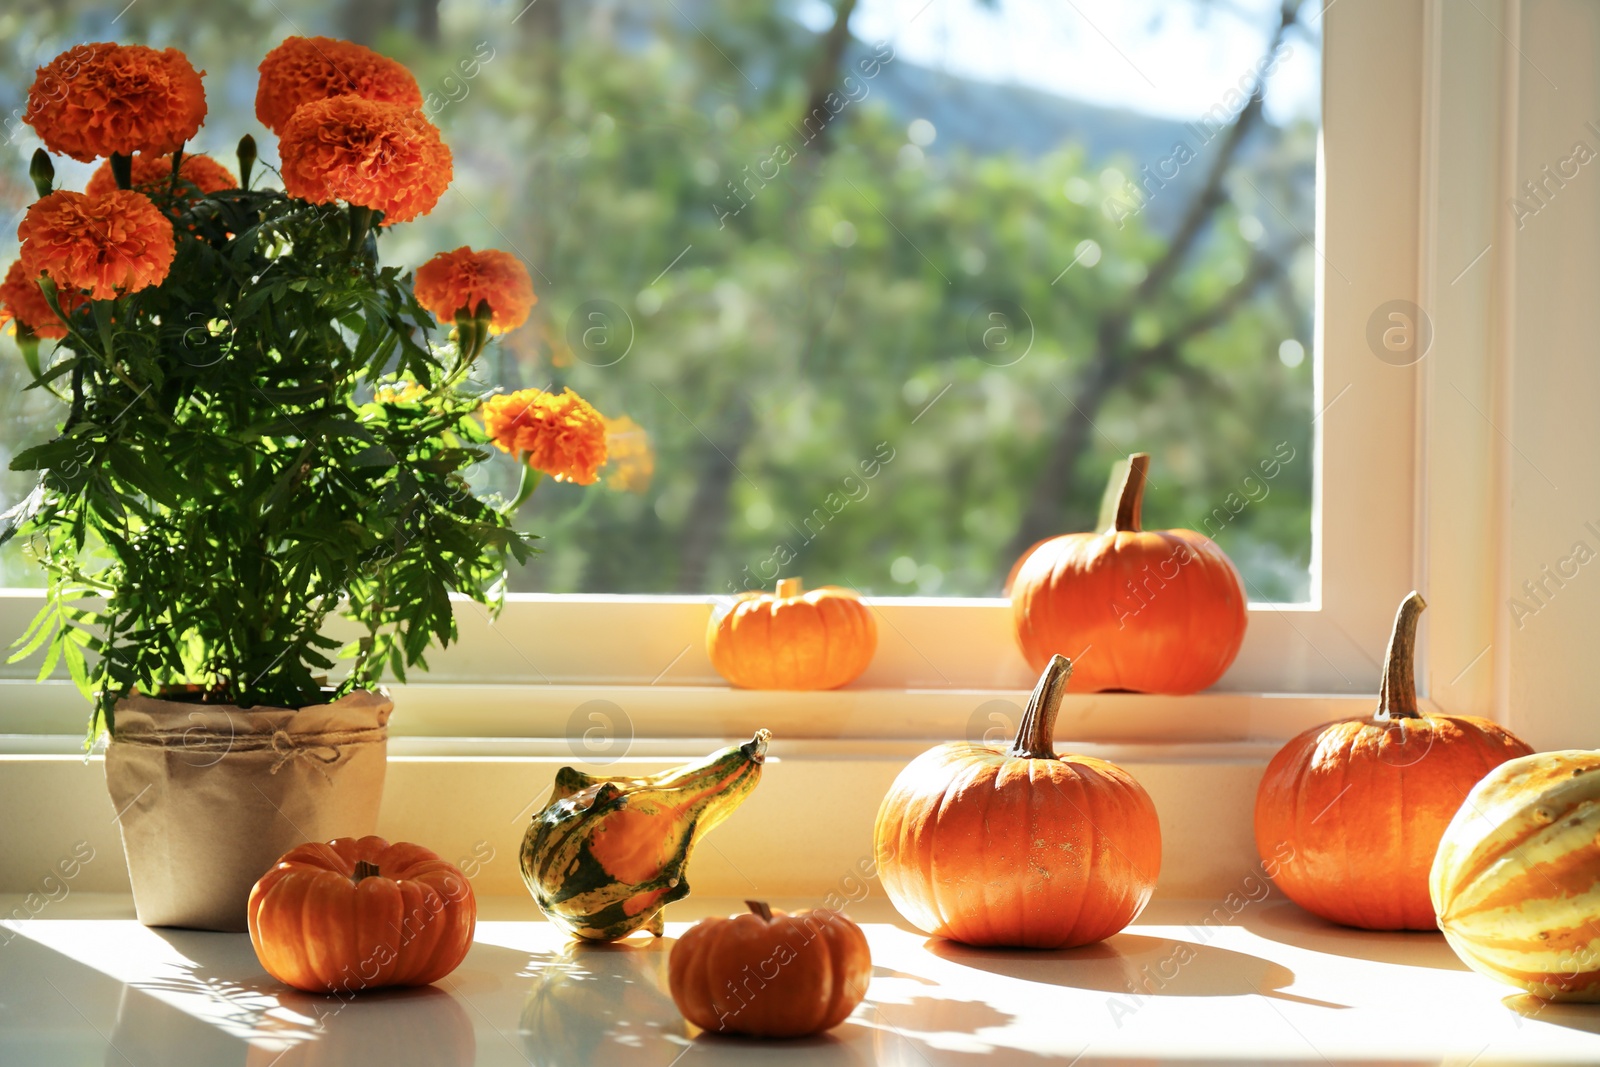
(1264, 267)
(826, 72)
(1211, 194)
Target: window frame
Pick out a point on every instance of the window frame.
(941, 660)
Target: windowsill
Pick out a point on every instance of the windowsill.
(528, 711)
(1263, 983)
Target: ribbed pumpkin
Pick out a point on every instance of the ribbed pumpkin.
(360, 913)
(1516, 881)
(769, 974)
(1358, 806)
(608, 853)
(792, 639)
(1020, 847)
(1151, 611)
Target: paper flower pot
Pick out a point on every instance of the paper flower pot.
(209, 796)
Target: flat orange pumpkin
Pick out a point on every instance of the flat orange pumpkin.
(792, 639)
(359, 913)
(1358, 807)
(1151, 611)
(768, 974)
(1019, 848)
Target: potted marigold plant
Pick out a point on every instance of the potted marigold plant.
(263, 427)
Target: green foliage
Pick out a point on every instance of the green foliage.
(226, 481)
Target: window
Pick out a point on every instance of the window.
(883, 307)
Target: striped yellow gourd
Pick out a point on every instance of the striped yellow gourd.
(1516, 880)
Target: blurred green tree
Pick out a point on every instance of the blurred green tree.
(736, 244)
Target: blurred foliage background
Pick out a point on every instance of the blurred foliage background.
(885, 338)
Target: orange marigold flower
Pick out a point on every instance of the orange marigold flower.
(560, 435)
(102, 99)
(23, 300)
(381, 156)
(451, 281)
(303, 69)
(152, 175)
(111, 244)
(630, 458)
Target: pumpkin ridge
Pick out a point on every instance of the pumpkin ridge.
(1092, 847)
(942, 914)
(1030, 816)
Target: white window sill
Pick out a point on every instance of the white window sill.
(499, 710)
(1257, 982)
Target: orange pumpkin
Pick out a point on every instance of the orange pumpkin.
(360, 913)
(1353, 811)
(1152, 611)
(1020, 847)
(769, 974)
(791, 639)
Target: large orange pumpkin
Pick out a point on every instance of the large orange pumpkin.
(360, 913)
(769, 974)
(1516, 880)
(1352, 812)
(792, 639)
(1018, 847)
(1152, 611)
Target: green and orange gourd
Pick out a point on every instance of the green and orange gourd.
(608, 853)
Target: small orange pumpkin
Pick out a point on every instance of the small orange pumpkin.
(360, 913)
(1353, 811)
(1152, 611)
(1019, 848)
(768, 974)
(791, 639)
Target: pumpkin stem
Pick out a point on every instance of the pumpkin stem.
(364, 869)
(761, 908)
(1397, 699)
(790, 587)
(1124, 496)
(755, 749)
(1036, 735)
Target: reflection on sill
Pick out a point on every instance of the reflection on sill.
(1269, 985)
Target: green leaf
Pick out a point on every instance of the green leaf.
(37, 633)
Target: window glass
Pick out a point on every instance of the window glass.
(877, 307)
